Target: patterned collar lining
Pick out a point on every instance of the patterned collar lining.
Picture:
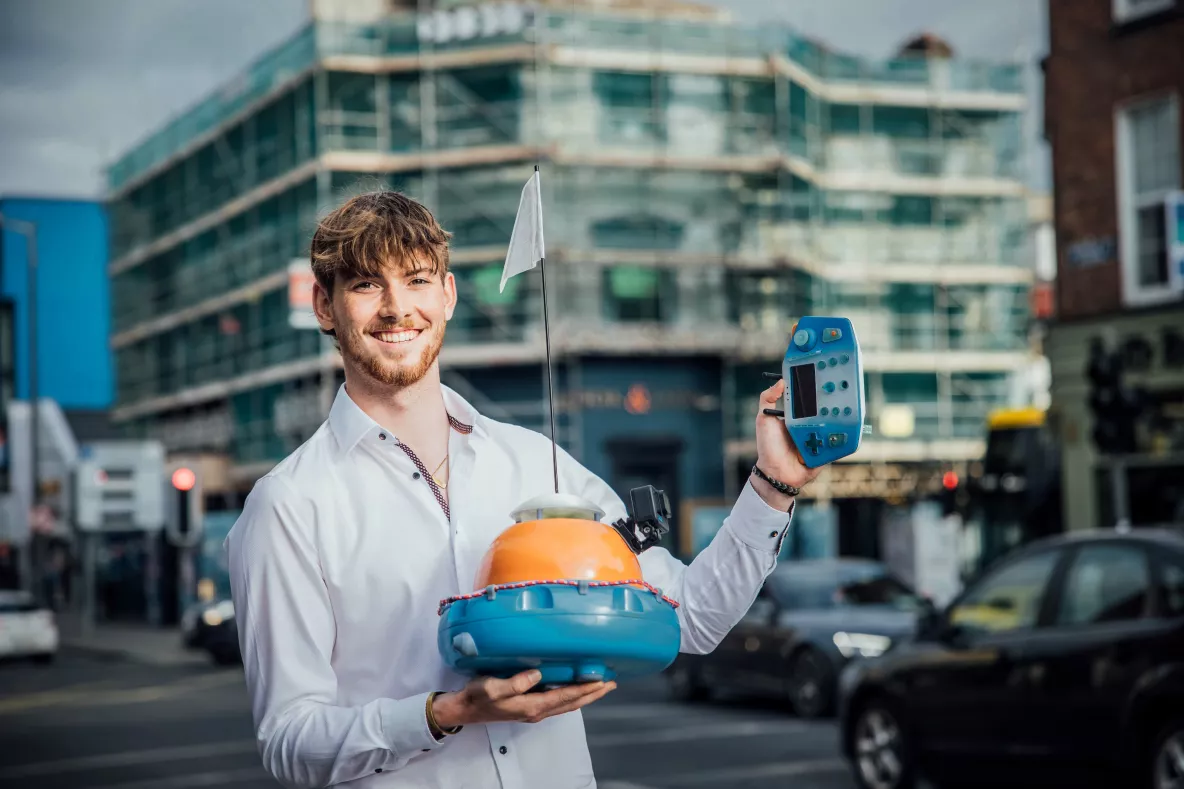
(459, 427)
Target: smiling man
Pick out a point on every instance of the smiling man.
(345, 548)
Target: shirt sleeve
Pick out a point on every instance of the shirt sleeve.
(717, 588)
(286, 633)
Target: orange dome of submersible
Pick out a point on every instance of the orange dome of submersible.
(558, 548)
(562, 592)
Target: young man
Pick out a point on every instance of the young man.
(345, 549)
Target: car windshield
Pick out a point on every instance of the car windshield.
(16, 604)
(880, 589)
(844, 586)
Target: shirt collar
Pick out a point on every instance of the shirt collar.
(350, 423)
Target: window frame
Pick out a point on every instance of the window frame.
(1163, 557)
(1062, 587)
(1049, 601)
(1122, 11)
(1134, 293)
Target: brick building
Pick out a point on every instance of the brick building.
(1114, 85)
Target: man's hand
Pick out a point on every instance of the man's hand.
(776, 454)
(490, 700)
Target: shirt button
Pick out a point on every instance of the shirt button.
(381, 437)
(502, 749)
(415, 475)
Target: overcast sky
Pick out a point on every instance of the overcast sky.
(82, 80)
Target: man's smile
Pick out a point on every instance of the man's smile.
(396, 337)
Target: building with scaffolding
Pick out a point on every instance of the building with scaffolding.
(705, 183)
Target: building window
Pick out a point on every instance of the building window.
(1130, 10)
(639, 295)
(1148, 150)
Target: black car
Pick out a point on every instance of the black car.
(1065, 656)
(215, 631)
(808, 620)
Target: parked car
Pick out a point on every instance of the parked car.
(1067, 654)
(810, 618)
(27, 630)
(219, 633)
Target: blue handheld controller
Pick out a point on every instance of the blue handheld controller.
(824, 401)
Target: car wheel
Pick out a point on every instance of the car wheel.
(1167, 757)
(811, 684)
(881, 755)
(685, 683)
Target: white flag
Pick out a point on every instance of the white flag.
(526, 240)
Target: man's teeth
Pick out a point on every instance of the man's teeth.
(396, 336)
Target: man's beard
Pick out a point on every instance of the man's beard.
(386, 371)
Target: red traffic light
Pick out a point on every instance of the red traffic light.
(949, 480)
(184, 479)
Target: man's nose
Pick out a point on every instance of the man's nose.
(394, 305)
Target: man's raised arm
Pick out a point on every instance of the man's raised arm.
(717, 588)
(286, 632)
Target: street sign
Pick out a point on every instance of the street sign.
(300, 282)
(117, 487)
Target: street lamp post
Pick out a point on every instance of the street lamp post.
(29, 231)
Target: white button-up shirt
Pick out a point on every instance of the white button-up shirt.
(340, 559)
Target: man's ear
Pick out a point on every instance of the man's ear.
(449, 295)
(323, 307)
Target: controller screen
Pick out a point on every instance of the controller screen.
(804, 393)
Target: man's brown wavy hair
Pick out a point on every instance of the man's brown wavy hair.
(371, 231)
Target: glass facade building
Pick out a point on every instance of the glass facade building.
(704, 184)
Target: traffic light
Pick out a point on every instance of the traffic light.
(1114, 405)
(186, 507)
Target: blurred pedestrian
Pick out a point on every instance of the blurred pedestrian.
(344, 550)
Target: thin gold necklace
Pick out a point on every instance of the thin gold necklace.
(442, 462)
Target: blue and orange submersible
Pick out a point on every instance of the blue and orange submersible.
(562, 592)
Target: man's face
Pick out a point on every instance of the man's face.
(391, 326)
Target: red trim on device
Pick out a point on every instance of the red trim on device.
(493, 589)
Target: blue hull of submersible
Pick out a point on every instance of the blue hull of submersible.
(568, 633)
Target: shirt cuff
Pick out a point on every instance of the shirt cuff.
(756, 524)
(405, 725)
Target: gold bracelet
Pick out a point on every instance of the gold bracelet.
(438, 731)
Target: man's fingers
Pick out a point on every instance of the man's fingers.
(498, 689)
(541, 703)
(770, 396)
(599, 691)
(525, 680)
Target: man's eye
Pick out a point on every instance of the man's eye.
(420, 281)
(364, 285)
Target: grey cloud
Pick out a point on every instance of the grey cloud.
(82, 80)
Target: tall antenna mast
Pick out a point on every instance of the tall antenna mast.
(547, 340)
(527, 250)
